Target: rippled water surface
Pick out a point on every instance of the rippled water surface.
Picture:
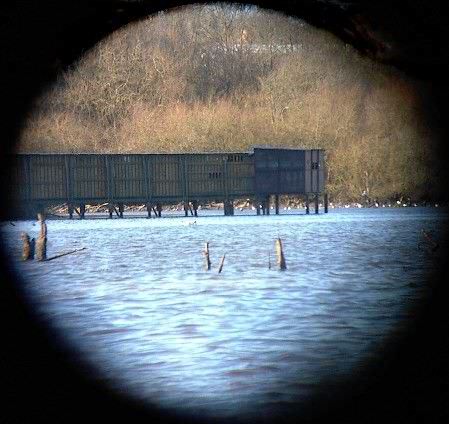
(139, 304)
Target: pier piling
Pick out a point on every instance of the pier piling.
(220, 268)
(82, 210)
(41, 242)
(28, 247)
(228, 206)
(206, 256)
(195, 207)
(280, 255)
(267, 204)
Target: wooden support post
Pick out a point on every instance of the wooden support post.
(257, 207)
(41, 249)
(267, 204)
(276, 204)
(316, 203)
(121, 208)
(111, 210)
(228, 206)
(70, 209)
(220, 268)
(41, 243)
(155, 211)
(195, 207)
(326, 203)
(280, 255)
(28, 247)
(188, 208)
(82, 210)
(307, 205)
(149, 209)
(206, 257)
(159, 210)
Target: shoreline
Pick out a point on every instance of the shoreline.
(247, 205)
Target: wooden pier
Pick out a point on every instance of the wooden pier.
(39, 181)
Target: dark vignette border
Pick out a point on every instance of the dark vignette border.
(42, 379)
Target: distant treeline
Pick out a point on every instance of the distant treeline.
(226, 78)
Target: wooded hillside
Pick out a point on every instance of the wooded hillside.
(226, 78)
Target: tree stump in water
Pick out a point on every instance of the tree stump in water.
(41, 249)
(206, 257)
(28, 247)
(41, 242)
(280, 255)
(220, 268)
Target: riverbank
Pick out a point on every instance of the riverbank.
(246, 204)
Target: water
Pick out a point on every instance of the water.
(140, 307)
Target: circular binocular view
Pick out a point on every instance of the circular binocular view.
(221, 208)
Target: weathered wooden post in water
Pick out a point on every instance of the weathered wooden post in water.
(267, 205)
(307, 205)
(228, 206)
(159, 209)
(316, 203)
(41, 243)
(206, 256)
(276, 204)
(28, 247)
(82, 210)
(280, 255)
(220, 268)
(195, 207)
(326, 203)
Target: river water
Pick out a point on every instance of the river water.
(139, 306)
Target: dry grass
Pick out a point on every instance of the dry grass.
(139, 92)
